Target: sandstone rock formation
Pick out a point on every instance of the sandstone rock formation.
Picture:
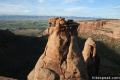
(6, 78)
(86, 26)
(110, 28)
(89, 49)
(62, 59)
(90, 57)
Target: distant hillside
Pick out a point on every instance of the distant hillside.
(24, 17)
(15, 17)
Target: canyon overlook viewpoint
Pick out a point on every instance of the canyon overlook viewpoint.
(62, 58)
(65, 50)
(60, 40)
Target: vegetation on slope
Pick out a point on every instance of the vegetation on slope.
(23, 24)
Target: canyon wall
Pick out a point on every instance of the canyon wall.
(110, 28)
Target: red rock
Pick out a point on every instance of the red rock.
(90, 57)
(62, 59)
(110, 28)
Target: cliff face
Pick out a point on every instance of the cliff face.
(110, 28)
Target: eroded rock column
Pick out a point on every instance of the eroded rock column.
(62, 59)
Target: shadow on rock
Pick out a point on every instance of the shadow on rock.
(19, 54)
(109, 58)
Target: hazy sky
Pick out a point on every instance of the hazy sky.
(82, 8)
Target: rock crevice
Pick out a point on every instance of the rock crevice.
(62, 57)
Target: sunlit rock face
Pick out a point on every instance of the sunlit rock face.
(91, 58)
(110, 28)
(91, 26)
(62, 59)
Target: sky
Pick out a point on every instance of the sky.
(78, 8)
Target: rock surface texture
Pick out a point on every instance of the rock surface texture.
(111, 28)
(6, 78)
(62, 59)
(90, 57)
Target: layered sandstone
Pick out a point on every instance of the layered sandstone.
(110, 28)
(86, 26)
(62, 59)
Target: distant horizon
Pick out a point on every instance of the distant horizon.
(85, 8)
(48, 15)
(61, 16)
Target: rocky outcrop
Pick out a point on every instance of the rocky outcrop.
(111, 28)
(6, 78)
(89, 49)
(90, 57)
(62, 59)
(86, 26)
